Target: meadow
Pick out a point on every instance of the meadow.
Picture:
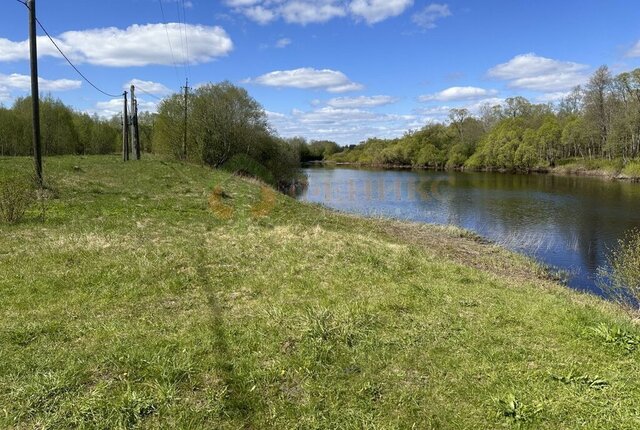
(159, 294)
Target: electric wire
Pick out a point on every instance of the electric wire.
(149, 94)
(173, 58)
(186, 37)
(71, 64)
(182, 43)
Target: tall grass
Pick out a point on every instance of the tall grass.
(621, 278)
(17, 195)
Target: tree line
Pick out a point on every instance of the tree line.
(598, 121)
(225, 128)
(64, 131)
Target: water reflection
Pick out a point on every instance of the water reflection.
(566, 222)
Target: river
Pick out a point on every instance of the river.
(566, 222)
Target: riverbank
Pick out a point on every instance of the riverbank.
(164, 295)
(613, 170)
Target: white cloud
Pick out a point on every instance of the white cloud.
(307, 12)
(283, 43)
(14, 51)
(361, 102)
(5, 96)
(635, 51)
(318, 11)
(260, 14)
(148, 87)
(440, 113)
(114, 107)
(15, 81)
(428, 16)
(308, 78)
(137, 45)
(345, 126)
(552, 97)
(532, 72)
(373, 11)
(459, 93)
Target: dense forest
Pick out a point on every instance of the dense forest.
(600, 121)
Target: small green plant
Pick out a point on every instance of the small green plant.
(617, 335)
(591, 381)
(17, 195)
(513, 409)
(621, 278)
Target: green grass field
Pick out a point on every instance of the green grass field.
(160, 295)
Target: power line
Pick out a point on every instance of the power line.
(173, 58)
(182, 39)
(186, 36)
(148, 93)
(70, 63)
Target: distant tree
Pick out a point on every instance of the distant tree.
(597, 104)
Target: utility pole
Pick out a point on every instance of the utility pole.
(135, 139)
(138, 148)
(35, 93)
(186, 106)
(125, 130)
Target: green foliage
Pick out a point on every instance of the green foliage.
(224, 123)
(621, 277)
(598, 122)
(632, 170)
(590, 381)
(64, 131)
(17, 195)
(316, 150)
(512, 408)
(617, 335)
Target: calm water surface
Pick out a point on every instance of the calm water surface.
(564, 221)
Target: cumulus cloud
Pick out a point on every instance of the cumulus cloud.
(635, 51)
(137, 45)
(148, 87)
(15, 81)
(373, 11)
(308, 78)
(318, 11)
(532, 72)
(429, 16)
(361, 102)
(459, 93)
(345, 126)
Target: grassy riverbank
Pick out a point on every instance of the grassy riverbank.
(146, 301)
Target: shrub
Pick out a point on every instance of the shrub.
(621, 278)
(16, 196)
(632, 170)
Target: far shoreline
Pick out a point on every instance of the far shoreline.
(577, 171)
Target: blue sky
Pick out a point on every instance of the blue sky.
(343, 70)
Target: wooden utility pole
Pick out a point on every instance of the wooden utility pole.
(135, 138)
(125, 130)
(138, 148)
(35, 93)
(186, 107)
